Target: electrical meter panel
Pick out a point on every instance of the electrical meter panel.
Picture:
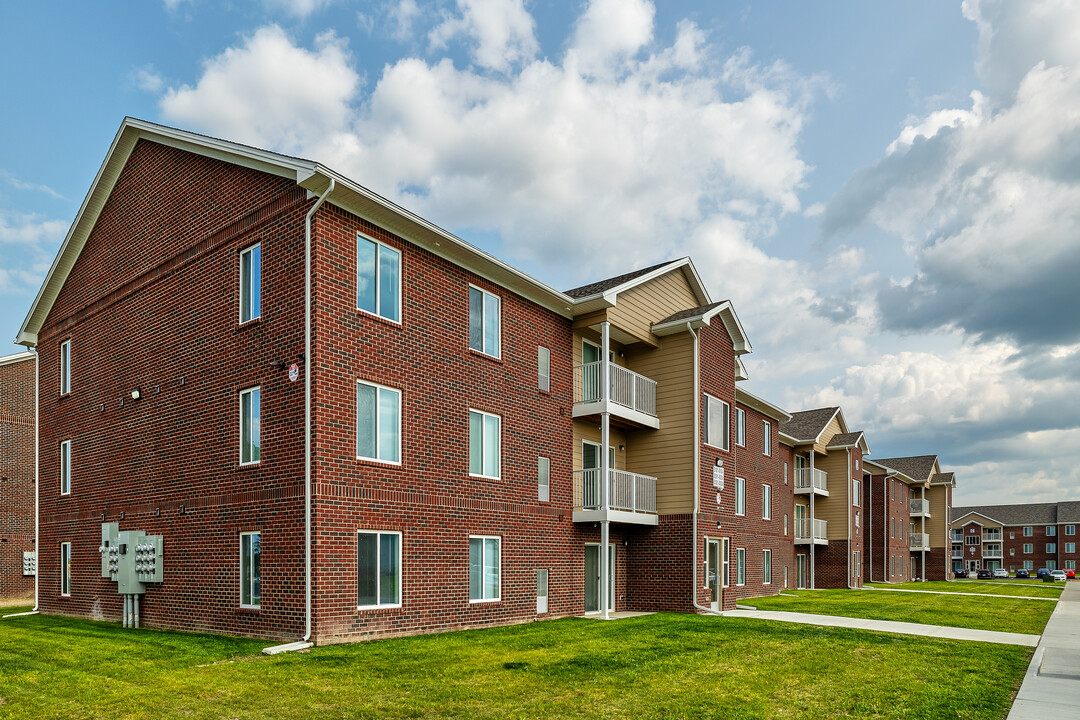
(131, 558)
(29, 562)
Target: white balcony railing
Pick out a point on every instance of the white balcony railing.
(991, 536)
(920, 541)
(920, 507)
(803, 527)
(992, 553)
(811, 478)
(957, 552)
(627, 491)
(627, 388)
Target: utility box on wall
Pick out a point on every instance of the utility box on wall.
(29, 562)
(131, 558)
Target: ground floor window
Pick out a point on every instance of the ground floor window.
(1051, 564)
(740, 566)
(1070, 564)
(766, 566)
(65, 569)
(725, 555)
(541, 591)
(378, 569)
(485, 562)
(250, 560)
(1029, 565)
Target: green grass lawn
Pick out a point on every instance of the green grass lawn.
(987, 587)
(659, 666)
(979, 613)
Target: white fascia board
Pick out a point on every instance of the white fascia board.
(892, 472)
(960, 520)
(609, 297)
(762, 406)
(727, 315)
(17, 358)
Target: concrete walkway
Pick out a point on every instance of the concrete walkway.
(1051, 687)
(902, 628)
(946, 592)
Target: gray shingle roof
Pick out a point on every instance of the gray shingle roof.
(1025, 514)
(845, 439)
(917, 468)
(605, 285)
(944, 478)
(1069, 512)
(691, 313)
(808, 424)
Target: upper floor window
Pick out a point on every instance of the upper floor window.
(766, 437)
(250, 283)
(250, 410)
(1051, 530)
(543, 479)
(740, 427)
(378, 278)
(484, 321)
(1051, 547)
(1070, 529)
(65, 467)
(378, 422)
(973, 540)
(543, 368)
(740, 496)
(717, 423)
(856, 492)
(766, 502)
(484, 440)
(65, 367)
(1070, 547)
(1028, 531)
(1029, 548)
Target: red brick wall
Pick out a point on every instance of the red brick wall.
(16, 475)
(830, 562)
(889, 517)
(152, 303)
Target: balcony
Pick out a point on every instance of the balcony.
(631, 396)
(920, 508)
(991, 536)
(920, 541)
(992, 553)
(803, 535)
(631, 497)
(957, 552)
(809, 480)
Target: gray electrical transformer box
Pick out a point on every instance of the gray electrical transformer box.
(29, 562)
(131, 558)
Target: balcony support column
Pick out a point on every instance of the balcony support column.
(605, 470)
(813, 529)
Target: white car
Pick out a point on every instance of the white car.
(1058, 575)
(1001, 573)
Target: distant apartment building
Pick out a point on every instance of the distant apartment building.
(929, 509)
(17, 437)
(1022, 536)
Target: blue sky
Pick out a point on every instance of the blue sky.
(886, 191)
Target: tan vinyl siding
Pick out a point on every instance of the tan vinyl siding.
(637, 309)
(585, 430)
(594, 338)
(834, 509)
(668, 453)
(935, 524)
(833, 428)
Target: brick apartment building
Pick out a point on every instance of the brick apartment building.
(344, 422)
(929, 508)
(17, 437)
(1013, 537)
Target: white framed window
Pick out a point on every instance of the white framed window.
(785, 472)
(1012, 552)
(740, 496)
(65, 467)
(1070, 529)
(900, 528)
(484, 321)
(543, 368)
(766, 567)
(378, 423)
(250, 412)
(65, 569)
(766, 502)
(65, 367)
(1051, 564)
(740, 566)
(1028, 531)
(1070, 547)
(1051, 547)
(485, 431)
(250, 562)
(785, 524)
(740, 427)
(1029, 548)
(972, 540)
(892, 487)
(1012, 535)
(1051, 530)
(378, 569)
(378, 278)
(858, 514)
(856, 464)
(901, 559)
(541, 591)
(1070, 564)
(856, 493)
(1029, 564)
(485, 562)
(543, 479)
(717, 423)
(766, 437)
(250, 283)
(725, 560)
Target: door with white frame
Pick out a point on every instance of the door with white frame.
(592, 577)
(800, 575)
(712, 573)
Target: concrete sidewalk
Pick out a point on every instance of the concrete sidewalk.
(902, 628)
(966, 594)
(1051, 687)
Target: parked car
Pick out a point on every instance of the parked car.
(961, 573)
(985, 574)
(1022, 573)
(1059, 575)
(1042, 572)
(1001, 573)
(1070, 573)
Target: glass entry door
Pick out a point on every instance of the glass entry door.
(713, 574)
(592, 577)
(801, 579)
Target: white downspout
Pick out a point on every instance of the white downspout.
(307, 409)
(697, 478)
(37, 476)
(870, 520)
(851, 540)
(813, 517)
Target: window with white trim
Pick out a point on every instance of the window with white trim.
(65, 467)
(485, 431)
(250, 563)
(766, 437)
(1051, 530)
(740, 566)
(1051, 564)
(378, 422)
(1070, 564)
(740, 496)
(1029, 548)
(785, 473)
(766, 567)
(250, 283)
(65, 367)
(725, 559)
(250, 411)
(378, 569)
(766, 502)
(485, 562)
(484, 321)
(972, 540)
(1029, 564)
(378, 278)
(1070, 529)
(740, 427)
(1070, 547)
(1028, 531)
(785, 524)
(856, 493)
(541, 591)
(717, 423)
(1051, 547)
(543, 479)
(543, 368)
(65, 569)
